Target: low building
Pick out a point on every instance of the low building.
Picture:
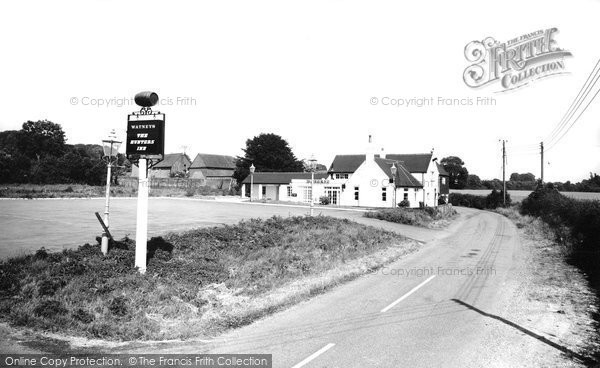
(216, 170)
(284, 186)
(173, 164)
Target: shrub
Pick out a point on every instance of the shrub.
(324, 200)
(404, 203)
(493, 200)
(118, 306)
(49, 309)
(82, 316)
(411, 216)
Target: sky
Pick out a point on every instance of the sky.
(309, 71)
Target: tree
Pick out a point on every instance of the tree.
(457, 172)
(267, 152)
(529, 177)
(474, 182)
(41, 138)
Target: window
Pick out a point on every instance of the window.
(264, 190)
(289, 191)
(405, 189)
(356, 193)
(306, 194)
(406, 196)
(384, 194)
(341, 176)
(443, 180)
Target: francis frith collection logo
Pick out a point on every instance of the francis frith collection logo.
(514, 63)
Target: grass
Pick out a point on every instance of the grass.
(430, 217)
(198, 283)
(32, 191)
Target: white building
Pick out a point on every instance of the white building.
(284, 186)
(367, 181)
(360, 180)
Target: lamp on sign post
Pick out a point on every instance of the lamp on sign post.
(394, 170)
(252, 169)
(312, 164)
(110, 146)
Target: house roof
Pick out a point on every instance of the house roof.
(346, 163)
(206, 160)
(169, 160)
(414, 162)
(281, 177)
(441, 170)
(403, 176)
(217, 172)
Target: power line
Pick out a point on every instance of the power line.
(576, 103)
(574, 121)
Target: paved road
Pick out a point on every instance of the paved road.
(28, 225)
(436, 318)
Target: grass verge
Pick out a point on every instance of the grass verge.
(561, 302)
(198, 283)
(430, 217)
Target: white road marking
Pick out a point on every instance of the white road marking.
(407, 294)
(314, 355)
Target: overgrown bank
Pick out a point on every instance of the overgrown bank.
(576, 224)
(197, 283)
(431, 217)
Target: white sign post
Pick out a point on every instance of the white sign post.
(145, 140)
(141, 229)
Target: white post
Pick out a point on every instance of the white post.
(141, 230)
(251, 185)
(104, 244)
(312, 193)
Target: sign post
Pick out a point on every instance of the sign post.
(145, 145)
(141, 228)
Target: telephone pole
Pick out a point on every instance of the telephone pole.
(542, 161)
(504, 171)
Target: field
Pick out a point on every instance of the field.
(519, 195)
(31, 191)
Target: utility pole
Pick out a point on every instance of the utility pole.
(504, 171)
(542, 161)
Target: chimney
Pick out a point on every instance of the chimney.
(382, 153)
(370, 149)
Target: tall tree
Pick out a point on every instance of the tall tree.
(41, 138)
(458, 173)
(267, 152)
